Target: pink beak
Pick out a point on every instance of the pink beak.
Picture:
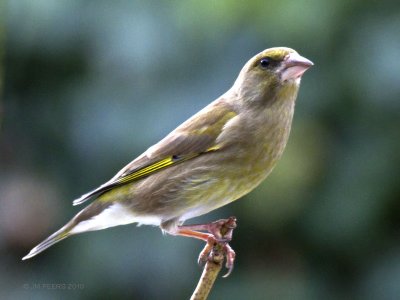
(294, 66)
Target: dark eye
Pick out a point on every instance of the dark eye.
(265, 62)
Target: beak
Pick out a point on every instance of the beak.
(294, 66)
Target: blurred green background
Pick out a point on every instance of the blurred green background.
(89, 85)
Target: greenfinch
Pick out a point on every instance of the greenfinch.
(215, 157)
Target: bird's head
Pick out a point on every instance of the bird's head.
(269, 71)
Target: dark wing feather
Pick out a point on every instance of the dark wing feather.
(194, 137)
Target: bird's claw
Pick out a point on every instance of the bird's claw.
(217, 246)
(207, 250)
(230, 259)
(216, 251)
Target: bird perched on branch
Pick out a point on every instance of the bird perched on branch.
(215, 157)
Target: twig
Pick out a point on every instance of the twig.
(207, 279)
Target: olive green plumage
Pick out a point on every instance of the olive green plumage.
(215, 157)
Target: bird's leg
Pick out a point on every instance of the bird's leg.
(217, 235)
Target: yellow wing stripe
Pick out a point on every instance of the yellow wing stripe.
(146, 171)
(153, 168)
(159, 165)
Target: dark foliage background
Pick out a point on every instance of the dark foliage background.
(89, 85)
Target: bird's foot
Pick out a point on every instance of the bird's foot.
(218, 236)
(215, 251)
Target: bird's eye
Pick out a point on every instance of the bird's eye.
(265, 62)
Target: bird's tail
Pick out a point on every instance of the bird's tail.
(56, 237)
(96, 216)
(68, 229)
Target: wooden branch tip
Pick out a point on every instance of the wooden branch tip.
(207, 279)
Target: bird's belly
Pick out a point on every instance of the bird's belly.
(208, 199)
(217, 192)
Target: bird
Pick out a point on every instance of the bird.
(215, 157)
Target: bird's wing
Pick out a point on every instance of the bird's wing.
(196, 136)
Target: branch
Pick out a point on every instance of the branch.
(207, 279)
